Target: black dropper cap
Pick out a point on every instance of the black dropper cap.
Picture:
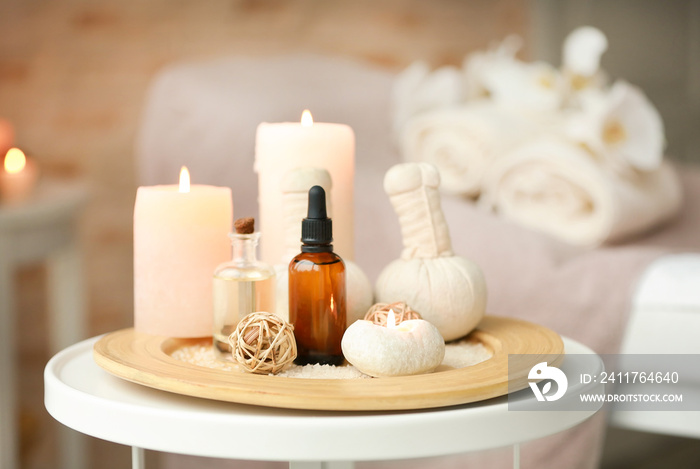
(317, 228)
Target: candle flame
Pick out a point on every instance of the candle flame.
(331, 303)
(15, 161)
(184, 179)
(307, 119)
(391, 319)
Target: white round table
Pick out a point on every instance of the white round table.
(81, 395)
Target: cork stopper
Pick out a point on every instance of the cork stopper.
(244, 225)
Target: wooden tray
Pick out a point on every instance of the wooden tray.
(146, 359)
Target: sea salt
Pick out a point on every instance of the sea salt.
(465, 353)
(457, 355)
(203, 355)
(323, 372)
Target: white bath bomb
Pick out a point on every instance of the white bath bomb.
(412, 347)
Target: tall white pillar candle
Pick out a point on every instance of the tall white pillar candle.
(179, 239)
(281, 147)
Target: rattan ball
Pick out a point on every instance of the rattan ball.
(402, 312)
(263, 343)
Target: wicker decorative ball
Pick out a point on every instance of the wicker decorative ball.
(263, 343)
(402, 312)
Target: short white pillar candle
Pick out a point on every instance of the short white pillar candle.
(180, 236)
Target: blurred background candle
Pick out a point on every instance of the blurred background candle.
(18, 177)
(180, 236)
(281, 147)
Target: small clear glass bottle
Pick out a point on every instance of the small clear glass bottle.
(241, 286)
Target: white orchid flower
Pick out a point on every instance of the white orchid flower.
(526, 87)
(478, 65)
(622, 126)
(583, 48)
(418, 89)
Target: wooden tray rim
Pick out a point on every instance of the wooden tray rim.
(145, 359)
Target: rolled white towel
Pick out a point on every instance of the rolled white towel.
(461, 142)
(555, 186)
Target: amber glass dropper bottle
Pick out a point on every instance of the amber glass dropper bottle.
(317, 297)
